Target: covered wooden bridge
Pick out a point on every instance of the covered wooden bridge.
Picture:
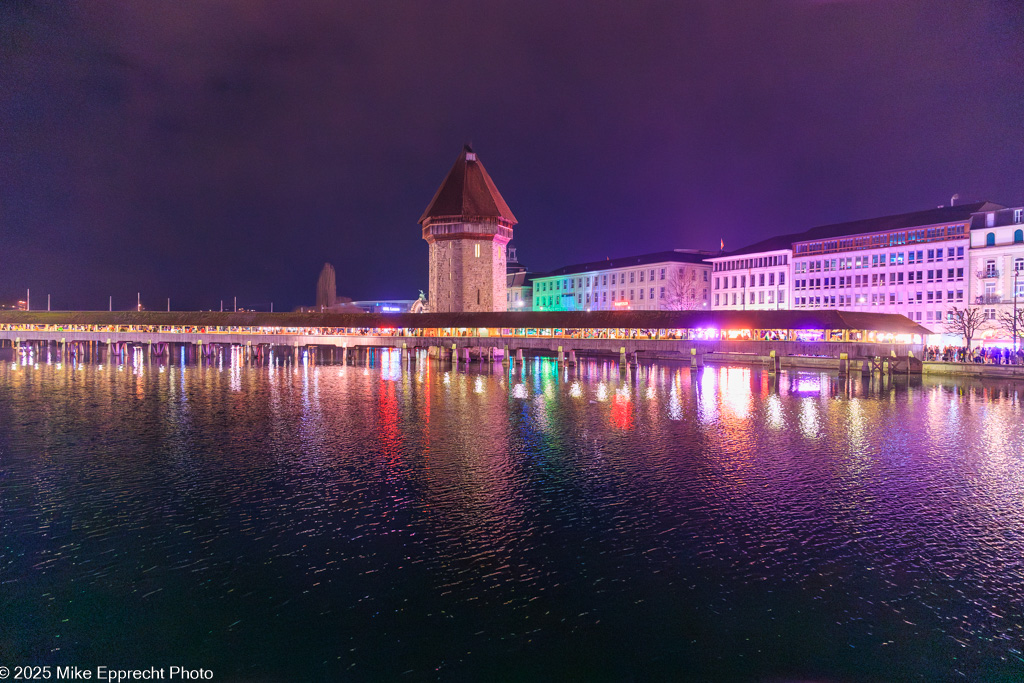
(664, 334)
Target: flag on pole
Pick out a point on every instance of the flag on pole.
(722, 245)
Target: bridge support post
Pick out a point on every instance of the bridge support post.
(622, 356)
(696, 358)
(561, 356)
(506, 359)
(844, 364)
(519, 356)
(774, 363)
(572, 357)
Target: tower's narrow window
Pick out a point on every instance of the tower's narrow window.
(476, 250)
(478, 291)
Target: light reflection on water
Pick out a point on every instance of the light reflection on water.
(316, 521)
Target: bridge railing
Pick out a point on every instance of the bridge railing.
(807, 336)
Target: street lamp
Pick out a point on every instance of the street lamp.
(1016, 273)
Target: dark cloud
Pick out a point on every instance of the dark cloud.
(200, 150)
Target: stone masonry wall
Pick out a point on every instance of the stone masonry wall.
(461, 281)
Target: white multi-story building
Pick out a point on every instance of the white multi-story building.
(754, 278)
(665, 280)
(914, 264)
(997, 268)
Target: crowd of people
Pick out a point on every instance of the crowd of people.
(993, 355)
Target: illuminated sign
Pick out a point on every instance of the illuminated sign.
(390, 309)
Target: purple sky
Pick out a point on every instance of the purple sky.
(201, 150)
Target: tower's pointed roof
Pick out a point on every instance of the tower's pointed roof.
(468, 193)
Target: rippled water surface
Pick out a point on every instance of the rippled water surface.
(410, 520)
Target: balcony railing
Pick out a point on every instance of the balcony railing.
(988, 273)
(989, 299)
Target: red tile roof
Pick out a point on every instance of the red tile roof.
(468, 193)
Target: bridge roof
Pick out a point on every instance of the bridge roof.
(763, 320)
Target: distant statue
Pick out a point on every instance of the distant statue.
(326, 288)
(420, 305)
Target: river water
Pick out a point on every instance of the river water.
(409, 520)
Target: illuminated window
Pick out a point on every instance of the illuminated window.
(476, 249)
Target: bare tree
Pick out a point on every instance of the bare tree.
(1006, 321)
(965, 322)
(683, 294)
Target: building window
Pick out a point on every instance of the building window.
(651, 293)
(1018, 215)
(990, 314)
(476, 249)
(1018, 236)
(990, 239)
(716, 300)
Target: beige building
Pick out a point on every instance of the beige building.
(468, 226)
(662, 281)
(997, 268)
(755, 278)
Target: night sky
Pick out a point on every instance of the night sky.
(205, 150)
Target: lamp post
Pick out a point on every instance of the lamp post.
(1016, 273)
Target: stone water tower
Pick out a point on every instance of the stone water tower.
(468, 226)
